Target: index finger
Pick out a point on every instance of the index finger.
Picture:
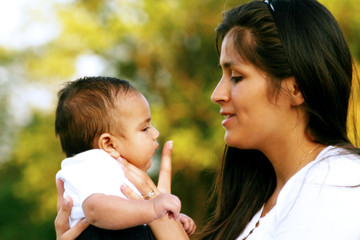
(164, 183)
(138, 177)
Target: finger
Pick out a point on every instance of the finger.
(193, 228)
(186, 225)
(76, 230)
(177, 208)
(139, 178)
(173, 215)
(129, 193)
(62, 219)
(164, 183)
(60, 192)
(184, 220)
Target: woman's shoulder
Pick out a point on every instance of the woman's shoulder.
(334, 174)
(326, 191)
(334, 166)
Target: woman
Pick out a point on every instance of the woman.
(285, 90)
(289, 171)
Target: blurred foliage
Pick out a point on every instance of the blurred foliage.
(27, 184)
(166, 49)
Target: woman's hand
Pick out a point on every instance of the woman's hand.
(143, 182)
(62, 227)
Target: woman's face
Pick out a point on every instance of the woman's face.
(252, 119)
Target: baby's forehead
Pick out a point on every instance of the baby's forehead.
(130, 101)
(125, 98)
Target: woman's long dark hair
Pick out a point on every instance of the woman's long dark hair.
(243, 186)
(297, 38)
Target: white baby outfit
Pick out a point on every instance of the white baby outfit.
(89, 172)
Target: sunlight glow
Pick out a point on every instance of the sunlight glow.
(27, 23)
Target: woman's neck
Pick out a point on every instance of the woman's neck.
(287, 159)
(289, 156)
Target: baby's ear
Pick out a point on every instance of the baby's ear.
(107, 142)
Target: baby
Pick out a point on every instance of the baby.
(99, 120)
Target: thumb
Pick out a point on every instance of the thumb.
(174, 209)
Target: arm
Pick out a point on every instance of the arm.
(113, 212)
(163, 227)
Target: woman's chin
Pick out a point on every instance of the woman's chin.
(230, 140)
(236, 142)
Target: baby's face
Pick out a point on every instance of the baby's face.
(138, 138)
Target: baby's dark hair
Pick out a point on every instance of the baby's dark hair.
(85, 111)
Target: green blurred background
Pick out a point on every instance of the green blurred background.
(164, 47)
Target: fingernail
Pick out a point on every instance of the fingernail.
(124, 185)
(84, 221)
(170, 145)
(66, 201)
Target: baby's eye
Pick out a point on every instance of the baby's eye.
(145, 129)
(236, 79)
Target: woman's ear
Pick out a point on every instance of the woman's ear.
(294, 92)
(108, 143)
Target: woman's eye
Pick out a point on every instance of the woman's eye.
(236, 78)
(145, 129)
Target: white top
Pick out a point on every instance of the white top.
(89, 172)
(317, 203)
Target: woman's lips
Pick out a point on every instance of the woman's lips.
(227, 119)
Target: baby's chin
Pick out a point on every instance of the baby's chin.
(148, 165)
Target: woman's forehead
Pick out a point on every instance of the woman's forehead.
(229, 54)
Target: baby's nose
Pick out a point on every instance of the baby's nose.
(156, 134)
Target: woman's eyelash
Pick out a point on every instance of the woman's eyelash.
(236, 78)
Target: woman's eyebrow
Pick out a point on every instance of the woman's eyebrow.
(226, 65)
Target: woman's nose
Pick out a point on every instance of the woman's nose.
(220, 93)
